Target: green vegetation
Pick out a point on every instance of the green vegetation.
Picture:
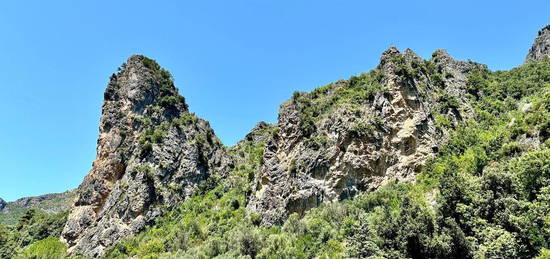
(213, 222)
(13, 211)
(170, 101)
(356, 91)
(361, 130)
(316, 142)
(33, 226)
(12, 215)
(49, 248)
(150, 63)
(154, 135)
(169, 96)
(185, 120)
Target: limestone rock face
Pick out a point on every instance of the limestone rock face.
(354, 147)
(151, 154)
(541, 46)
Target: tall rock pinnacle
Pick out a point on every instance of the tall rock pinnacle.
(541, 46)
(151, 154)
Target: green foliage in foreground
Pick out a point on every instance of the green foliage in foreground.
(13, 212)
(49, 248)
(33, 226)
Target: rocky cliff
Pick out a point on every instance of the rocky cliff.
(541, 46)
(151, 154)
(328, 145)
(356, 135)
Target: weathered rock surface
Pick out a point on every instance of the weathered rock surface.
(151, 154)
(257, 134)
(354, 148)
(541, 46)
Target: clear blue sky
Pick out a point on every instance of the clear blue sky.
(234, 61)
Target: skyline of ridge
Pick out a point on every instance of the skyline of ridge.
(54, 90)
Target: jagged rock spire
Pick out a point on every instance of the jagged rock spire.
(541, 46)
(151, 154)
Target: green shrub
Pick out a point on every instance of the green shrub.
(544, 252)
(316, 142)
(442, 122)
(437, 80)
(358, 90)
(171, 101)
(150, 63)
(153, 135)
(49, 248)
(185, 119)
(33, 226)
(360, 129)
(534, 172)
(511, 149)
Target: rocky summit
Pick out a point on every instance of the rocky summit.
(541, 46)
(151, 154)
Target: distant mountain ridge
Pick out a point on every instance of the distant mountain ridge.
(49, 203)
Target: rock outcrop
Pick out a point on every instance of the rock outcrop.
(2, 204)
(151, 154)
(360, 134)
(541, 46)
